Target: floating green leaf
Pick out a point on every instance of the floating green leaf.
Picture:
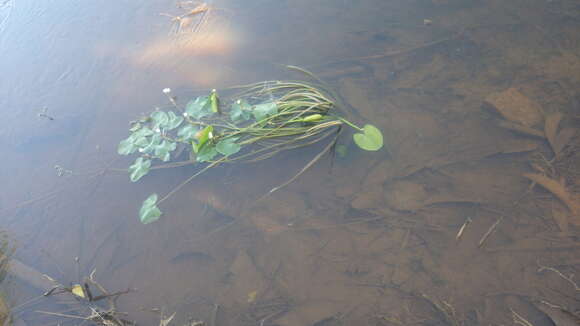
(143, 132)
(139, 169)
(163, 150)
(240, 111)
(149, 211)
(228, 146)
(187, 132)
(198, 108)
(137, 140)
(127, 146)
(152, 143)
(370, 139)
(206, 153)
(174, 121)
(264, 110)
(159, 119)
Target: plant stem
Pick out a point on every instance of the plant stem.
(350, 123)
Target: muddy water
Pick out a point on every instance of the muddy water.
(443, 228)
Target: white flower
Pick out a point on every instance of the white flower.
(185, 114)
(157, 129)
(141, 150)
(166, 90)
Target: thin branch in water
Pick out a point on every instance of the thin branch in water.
(306, 167)
(519, 320)
(462, 229)
(569, 279)
(489, 232)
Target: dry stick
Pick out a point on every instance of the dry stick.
(447, 311)
(519, 320)
(397, 52)
(489, 232)
(29, 275)
(567, 278)
(528, 131)
(61, 315)
(462, 229)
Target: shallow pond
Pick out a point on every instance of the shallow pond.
(469, 217)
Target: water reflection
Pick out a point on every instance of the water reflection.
(369, 238)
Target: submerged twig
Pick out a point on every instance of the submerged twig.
(569, 279)
(489, 232)
(519, 320)
(445, 309)
(307, 166)
(462, 229)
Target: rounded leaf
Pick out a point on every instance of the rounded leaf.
(143, 132)
(206, 153)
(264, 110)
(127, 146)
(198, 108)
(187, 132)
(370, 139)
(173, 121)
(159, 119)
(228, 146)
(240, 111)
(152, 143)
(163, 150)
(149, 211)
(139, 169)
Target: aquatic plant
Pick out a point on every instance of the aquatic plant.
(261, 121)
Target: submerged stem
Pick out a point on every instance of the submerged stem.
(350, 124)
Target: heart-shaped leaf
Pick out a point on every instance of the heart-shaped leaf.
(127, 146)
(137, 140)
(143, 132)
(264, 110)
(187, 132)
(139, 169)
(370, 139)
(198, 108)
(174, 121)
(154, 141)
(149, 211)
(240, 111)
(206, 153)
(163, 150)
(228, 146)
(159, 120)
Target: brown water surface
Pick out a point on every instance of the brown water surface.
(470, 216)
